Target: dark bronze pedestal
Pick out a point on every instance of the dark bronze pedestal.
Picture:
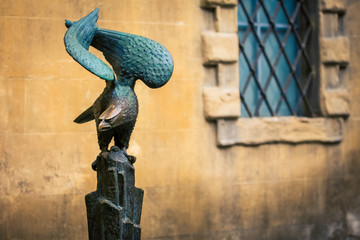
(114, 209)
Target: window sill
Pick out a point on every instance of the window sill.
(256, 131)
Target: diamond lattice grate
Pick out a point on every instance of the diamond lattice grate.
(275, 68)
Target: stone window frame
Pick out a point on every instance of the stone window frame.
(222, 104)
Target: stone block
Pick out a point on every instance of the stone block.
(254, 131)
(221, 102)
(219, 47)
(212, 3)
(333, 5)
(227, 19)
(336, 102)
(334, 50)
(330, 76)
(329, 24)
(228, 75)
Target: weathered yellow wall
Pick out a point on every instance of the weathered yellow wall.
(193, 190)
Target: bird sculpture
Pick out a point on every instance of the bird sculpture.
(132, 57)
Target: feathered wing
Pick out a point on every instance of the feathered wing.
(77, 41)
(134, 57)
(131, 56)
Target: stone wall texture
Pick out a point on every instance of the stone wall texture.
(194, 190)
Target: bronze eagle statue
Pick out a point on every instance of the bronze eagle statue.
(132, 57)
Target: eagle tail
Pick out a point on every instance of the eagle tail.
(86, 116)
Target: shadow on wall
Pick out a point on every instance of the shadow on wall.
(342, 211)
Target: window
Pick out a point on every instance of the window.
(293, 68)
(276, 70)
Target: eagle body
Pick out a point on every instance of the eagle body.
(115, 112)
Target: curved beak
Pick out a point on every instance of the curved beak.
(104, 126)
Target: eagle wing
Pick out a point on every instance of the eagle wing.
(134, 57)
(131, 56)
(77, 41)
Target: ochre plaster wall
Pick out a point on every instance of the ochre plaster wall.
(193, 190)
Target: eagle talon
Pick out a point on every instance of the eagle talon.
(131, 158)
(93, 165)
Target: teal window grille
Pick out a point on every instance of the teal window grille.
(276, 71)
